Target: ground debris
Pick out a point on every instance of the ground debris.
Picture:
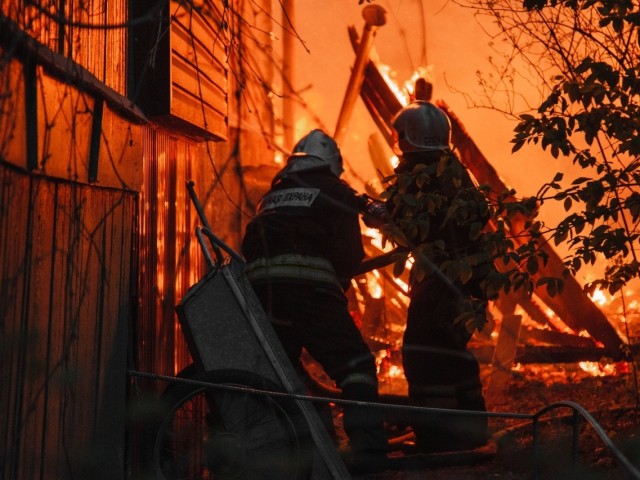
(611, 399)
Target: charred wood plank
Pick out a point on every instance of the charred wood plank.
(546, 354)
(537, 336)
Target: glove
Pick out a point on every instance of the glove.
(375, 214)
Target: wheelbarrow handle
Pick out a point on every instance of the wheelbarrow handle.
(214, 240)
(197, 204)
(218, 242)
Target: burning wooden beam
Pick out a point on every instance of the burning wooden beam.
(374, 17)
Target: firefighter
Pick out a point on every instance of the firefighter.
(443, 311)
(302, 249)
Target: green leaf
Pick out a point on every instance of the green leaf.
(580, 180)
(567, 204)
(398, 268)
(517, 146)
(464, 271)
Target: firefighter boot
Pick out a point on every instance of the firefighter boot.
(474, 428)
(365, 428)
(435, 432)
(438, 432)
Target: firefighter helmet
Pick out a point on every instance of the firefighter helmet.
(421, 127)
(316, 150)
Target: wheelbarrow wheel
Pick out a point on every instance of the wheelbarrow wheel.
(226, 432)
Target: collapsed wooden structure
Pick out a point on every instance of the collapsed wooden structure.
(545, 342)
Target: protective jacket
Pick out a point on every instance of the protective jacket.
(306, 230)
(441, 373)
(302, 249)
(455, 237)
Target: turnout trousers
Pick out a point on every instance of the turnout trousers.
(441, 373)
(316, 317)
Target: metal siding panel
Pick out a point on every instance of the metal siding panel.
(168, 252)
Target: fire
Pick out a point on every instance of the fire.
(390, 372)
(386, 366)
(387, 72)
(599, 297)
(598, 369)
(405, 91)
(390, 368)
(373, 283)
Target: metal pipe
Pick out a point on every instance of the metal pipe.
(374, 17)
(288, 80)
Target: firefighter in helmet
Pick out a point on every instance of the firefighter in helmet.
(444, 308)
(302, 249)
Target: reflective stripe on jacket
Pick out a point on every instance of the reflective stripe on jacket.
(292, 266)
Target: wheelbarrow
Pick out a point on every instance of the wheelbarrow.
(241, 411)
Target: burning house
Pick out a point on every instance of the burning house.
(106, 110)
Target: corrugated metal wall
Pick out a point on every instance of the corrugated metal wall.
(65, 288)
(170, 259)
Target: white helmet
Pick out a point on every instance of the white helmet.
(316, 150)
(421, 127)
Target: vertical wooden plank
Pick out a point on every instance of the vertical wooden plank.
(68, 332)
(92, 271)
(38, 302)
(59, 340)
(113, 390)
(107, 450)
(14, 205)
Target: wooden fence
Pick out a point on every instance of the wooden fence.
(65, 299)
